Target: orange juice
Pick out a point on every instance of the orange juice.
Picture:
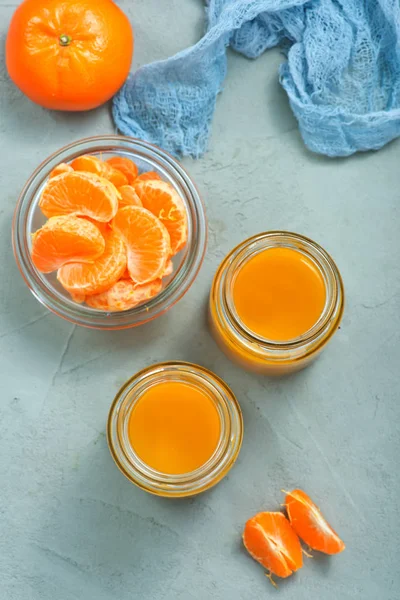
(275, 302)
(174, 427)
(279, 294)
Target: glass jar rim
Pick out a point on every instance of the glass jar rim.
(186, 484)
(185, 274)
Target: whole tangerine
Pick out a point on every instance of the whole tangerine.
(69, 54)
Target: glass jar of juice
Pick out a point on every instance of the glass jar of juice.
(276, 300)
(175, 429)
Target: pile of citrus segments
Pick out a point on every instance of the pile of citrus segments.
(110, 233)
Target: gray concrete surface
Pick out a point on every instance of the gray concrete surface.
(71, 526)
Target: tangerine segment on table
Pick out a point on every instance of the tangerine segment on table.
(78, 193)
(84, 279)
(69, 55)
(129, 196)
(125, 166)
(124, 295)
(88, 163)
(309, 524)
(163, 200)
(147, 241)
(271, 541)
(63, 240)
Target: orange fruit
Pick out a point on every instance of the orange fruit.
(115, 176)
(103, 227)
(65, 239)
(78, 298)
(150, 175)
(61, 168)
(169, 269)
(91, 164)
(124, 295)
(88, 164)
(147, 242)
(309, 524)
(128, 196)
(160, 198)
(69, 54)
(271, 541)
(83, 279)
(125, 165)
(77, 193)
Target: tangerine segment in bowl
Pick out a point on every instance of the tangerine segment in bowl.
(169, 269)
(125, 166)
(61, 168)
(83, 194)
(161, 198)
(147, 242)
(271, 541)
(309, 524)
(124, 295)
(129, 196)
(91, 164)
(149, 175)
(84, 279)
(88, 164)
(63, 240)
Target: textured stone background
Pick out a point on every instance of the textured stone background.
(71, 526)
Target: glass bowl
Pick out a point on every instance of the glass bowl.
(28, 218)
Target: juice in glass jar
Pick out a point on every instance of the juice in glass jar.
(275, 302)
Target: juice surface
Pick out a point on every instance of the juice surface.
(279, 294)
(174, 427)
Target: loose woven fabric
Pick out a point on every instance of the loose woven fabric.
(342, 74)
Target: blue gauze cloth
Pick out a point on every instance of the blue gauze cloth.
(342, 74)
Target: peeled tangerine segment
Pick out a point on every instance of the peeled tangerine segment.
(169, 269)
(270, 540)
(61, 168)
(65, 239)
(91, 164)
(309, 524)
(149, 175)
(129, 196)
(124, 295)
(83, 280)
(84, 194)
(161, 198)
(147, 242)
(125, 166)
